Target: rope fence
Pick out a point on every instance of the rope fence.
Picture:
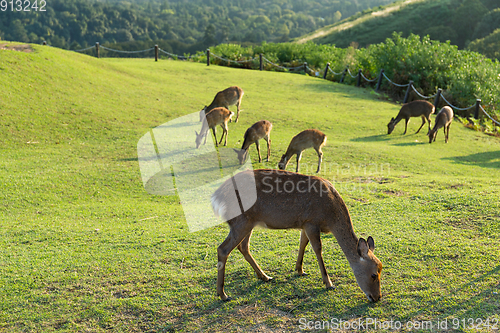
(438, 96)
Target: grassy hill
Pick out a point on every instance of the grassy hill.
(459, 21)
(83, 247)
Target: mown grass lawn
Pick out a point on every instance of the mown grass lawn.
(84, 247)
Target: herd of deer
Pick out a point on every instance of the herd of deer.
(424, 110)
(309, 203)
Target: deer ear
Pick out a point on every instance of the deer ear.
(392, 119)
(237, 151)
(371, 243)
(196, 133)
(362, 247)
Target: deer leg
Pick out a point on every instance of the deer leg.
(407, 120)
(223, 132)
(299, 156)
(423, 123)
(215, 136)
(445, 134)
(300, 258)
(237, 233)
(237, 112)
(313, 233)
(268, 139)
(227, 132)
(429, 121)
(244, 249)
(320, 158)
(258, 150)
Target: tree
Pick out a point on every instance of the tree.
(466, 18)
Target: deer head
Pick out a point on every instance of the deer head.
(367, 270)
(390, 126)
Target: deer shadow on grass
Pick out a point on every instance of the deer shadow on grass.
(490, 159)
(372, 138)
(410, 144)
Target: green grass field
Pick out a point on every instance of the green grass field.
(85, 248)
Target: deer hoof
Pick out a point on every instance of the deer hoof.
(330, 288)
(227, 299)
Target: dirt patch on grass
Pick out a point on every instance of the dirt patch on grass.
(394, 193)
(16, 47)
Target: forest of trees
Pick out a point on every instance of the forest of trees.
(468, 24)
(181, 25)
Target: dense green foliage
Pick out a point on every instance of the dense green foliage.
(84, 248)
(463, 75)
(459, 21)
(196, 24)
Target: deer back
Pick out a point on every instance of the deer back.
(256, 132)
(416, 109)
(218, 116)
(306, 139)
(285, 200)
(226, 97)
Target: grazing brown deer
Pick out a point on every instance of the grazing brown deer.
(218, 116)
(419, 108)
(443, 119)
(305, 139)
(259, 130)
(287, 200)
(225, 98)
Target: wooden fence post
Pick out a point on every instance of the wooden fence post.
(407, 95)
(343, 75)
(326, 70)
(380, 77)
(208, 57)
(156, 52)
(261, 65)
(97, 49)
(476, 111)
(358, 81)
(438, 98)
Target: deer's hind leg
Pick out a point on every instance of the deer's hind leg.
(429, 121)
(244, 249)
(240, 228)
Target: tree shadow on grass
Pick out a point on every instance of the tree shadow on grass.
(490, 159)
(483, 302)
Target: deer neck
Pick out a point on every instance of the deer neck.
(347, 239)
(398, 119)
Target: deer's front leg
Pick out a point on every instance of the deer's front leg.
(313, 233)
(300, 258)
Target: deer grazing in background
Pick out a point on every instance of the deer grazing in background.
(305, 139)
(259, 130)
(443, 119)
(419, 108)
(218, 116)
(225, 98)
(287, 200)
